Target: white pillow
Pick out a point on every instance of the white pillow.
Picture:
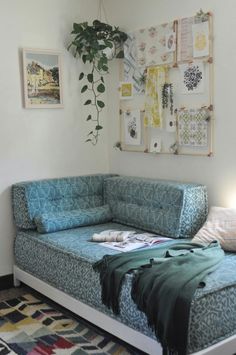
(220, 225)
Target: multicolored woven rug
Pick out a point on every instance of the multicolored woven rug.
(29, 326)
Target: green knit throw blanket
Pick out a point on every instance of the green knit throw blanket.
(164, 284)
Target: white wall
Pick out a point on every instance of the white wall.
(218, 172)
(40, 143)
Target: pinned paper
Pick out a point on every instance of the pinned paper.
(151, 45)
(171, 123)
(200, 39)
(155, 145)
(192, 77)
(192, 127)
(185, 39)
(132, 127)
(126, 91)
(156, 77)
(132, 72)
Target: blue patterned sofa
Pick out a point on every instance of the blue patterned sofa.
(55, 220)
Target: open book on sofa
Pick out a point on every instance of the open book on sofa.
(124, 241)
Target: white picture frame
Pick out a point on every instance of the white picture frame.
(42, 73)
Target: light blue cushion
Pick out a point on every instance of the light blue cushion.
(173, 209)
(53, 222)
(33, 198)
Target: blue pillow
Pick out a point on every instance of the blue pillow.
(56, 221)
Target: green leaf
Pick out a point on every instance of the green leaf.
(77, 28)
(102, 46)
(90, 78)
(100, 64)
(81, 76)
(105, 68)
(84, 88)
(98, 127)
(89, 134)
(108, 44)
(88, 140)
(88, 102)
(100, 103)
(89, 117)
(84, 58)
(102, 79)
(101, 88)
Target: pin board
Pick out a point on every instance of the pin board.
(166, 88)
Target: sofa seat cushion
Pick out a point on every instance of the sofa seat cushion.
(53, 222)
(64, 260)
(172, 209)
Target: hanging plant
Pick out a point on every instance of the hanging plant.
(96, 45)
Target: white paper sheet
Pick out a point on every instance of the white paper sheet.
(132, 127)
(155, 145)
(200, 39)
(192, 77)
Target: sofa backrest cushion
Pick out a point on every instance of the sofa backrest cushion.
(34, 198)
(173, 209)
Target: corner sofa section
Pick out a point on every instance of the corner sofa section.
(63, 259)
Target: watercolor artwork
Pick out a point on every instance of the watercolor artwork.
(42, 79)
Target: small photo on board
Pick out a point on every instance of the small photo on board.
(126, 91)
(155, 145)
(42, 79)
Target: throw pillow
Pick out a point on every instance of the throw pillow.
(220, 225)
(53, 222)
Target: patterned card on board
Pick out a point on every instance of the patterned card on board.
(192, 127)
(151, 45)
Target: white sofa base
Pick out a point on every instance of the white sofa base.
(112, 326)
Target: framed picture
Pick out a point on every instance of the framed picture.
(42, 78)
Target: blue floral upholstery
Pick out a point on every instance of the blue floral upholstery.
(52, 222)
(169, 208)
(33, 198)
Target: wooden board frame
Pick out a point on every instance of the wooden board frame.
(208, 152)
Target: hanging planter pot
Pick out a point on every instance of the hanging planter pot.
(96, 44)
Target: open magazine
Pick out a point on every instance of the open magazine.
(124, 241)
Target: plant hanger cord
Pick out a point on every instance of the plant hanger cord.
(101, 8)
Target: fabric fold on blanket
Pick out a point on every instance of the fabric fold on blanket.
(164, 283)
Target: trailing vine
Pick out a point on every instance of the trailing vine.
(96, 44)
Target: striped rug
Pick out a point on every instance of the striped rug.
(28, 326)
